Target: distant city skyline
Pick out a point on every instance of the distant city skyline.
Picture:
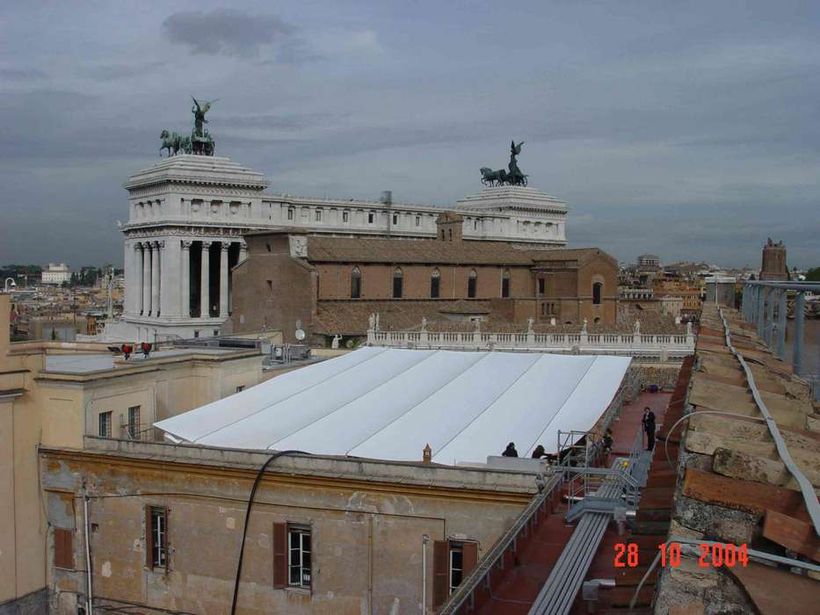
(689, 131)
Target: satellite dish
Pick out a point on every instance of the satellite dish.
(300, 334)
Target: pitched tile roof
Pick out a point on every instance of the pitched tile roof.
(433, 251)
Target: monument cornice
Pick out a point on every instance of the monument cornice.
(191, 230)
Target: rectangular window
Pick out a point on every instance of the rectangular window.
(471, 285)
(299, 556)
(505, 287)
(104, 425)
(397, 287)
(371, 217)
(541, 285)
(345, 216)
(133, 422)
(240, 388)
(435, 284)
(456, 573)
(318, 215)
(196, 333)
(395, 219)
(156, 537)
(63, 548)
(355, 287)
(452, 562)
(290, 213)
(418, 220)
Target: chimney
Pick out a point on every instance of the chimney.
(427, 454)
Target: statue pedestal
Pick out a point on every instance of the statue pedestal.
(535, 214)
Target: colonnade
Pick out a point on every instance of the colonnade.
(163, 277)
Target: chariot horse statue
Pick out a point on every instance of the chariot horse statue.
(513, 176)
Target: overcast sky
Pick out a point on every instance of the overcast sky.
(688, 129)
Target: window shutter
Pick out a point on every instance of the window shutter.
(441, 569)
(63, 548)
(149, 539)
(280, 555)
(470, 550)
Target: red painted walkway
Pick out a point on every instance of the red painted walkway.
(518, 589)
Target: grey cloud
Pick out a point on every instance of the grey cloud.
(228, 32)
(21, 74)
(107, 72)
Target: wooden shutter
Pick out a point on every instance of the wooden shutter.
(470, 557)
(280, 555)
(441, 572)
(63, 548)
(149, 539)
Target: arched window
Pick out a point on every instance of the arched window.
(397, 283)
(355, 283)
(435, 284)
(596, 293)
(471, 284)
(505, 283)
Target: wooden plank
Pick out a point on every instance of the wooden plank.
(742, 494)
(776, 592)
(794, 534)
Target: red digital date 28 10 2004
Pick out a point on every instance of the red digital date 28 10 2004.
(712, 555)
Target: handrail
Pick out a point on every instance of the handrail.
(806, 487)
(469, 585)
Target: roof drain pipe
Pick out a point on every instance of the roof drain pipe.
(424, 540)
(251, 498)
(89, 601)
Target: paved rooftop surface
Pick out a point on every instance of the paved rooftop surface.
(86, 363)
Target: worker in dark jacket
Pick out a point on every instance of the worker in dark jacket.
(648, 422)
(510, 451)
(539, 452)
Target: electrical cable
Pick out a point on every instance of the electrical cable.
(251, 498)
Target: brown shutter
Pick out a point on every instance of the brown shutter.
(280, 555)
(470, 555)
(63, 548)
(149, 539)
(441, 569)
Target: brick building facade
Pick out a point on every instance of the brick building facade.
(330, 285)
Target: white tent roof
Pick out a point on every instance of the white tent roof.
(388, 403)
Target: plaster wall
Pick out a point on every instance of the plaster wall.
(366, 536)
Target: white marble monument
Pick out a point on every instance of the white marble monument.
(187, 215)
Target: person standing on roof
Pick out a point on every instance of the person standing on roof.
(648, 422)
(510, 450)
(539, 452)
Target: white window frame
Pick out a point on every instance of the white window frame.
(299, 573)
(108, 417)
(454, 548)
(159, 537)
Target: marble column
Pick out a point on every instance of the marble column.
(134, 285)
(204, 282)
(155, 257)
(185, 279)
(170, 279)
(146, 279)
(223, 280)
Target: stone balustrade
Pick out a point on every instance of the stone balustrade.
(658, 346)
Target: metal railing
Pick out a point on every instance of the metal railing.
(766, 304)
(464, 595)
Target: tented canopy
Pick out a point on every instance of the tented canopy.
(386, 403)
